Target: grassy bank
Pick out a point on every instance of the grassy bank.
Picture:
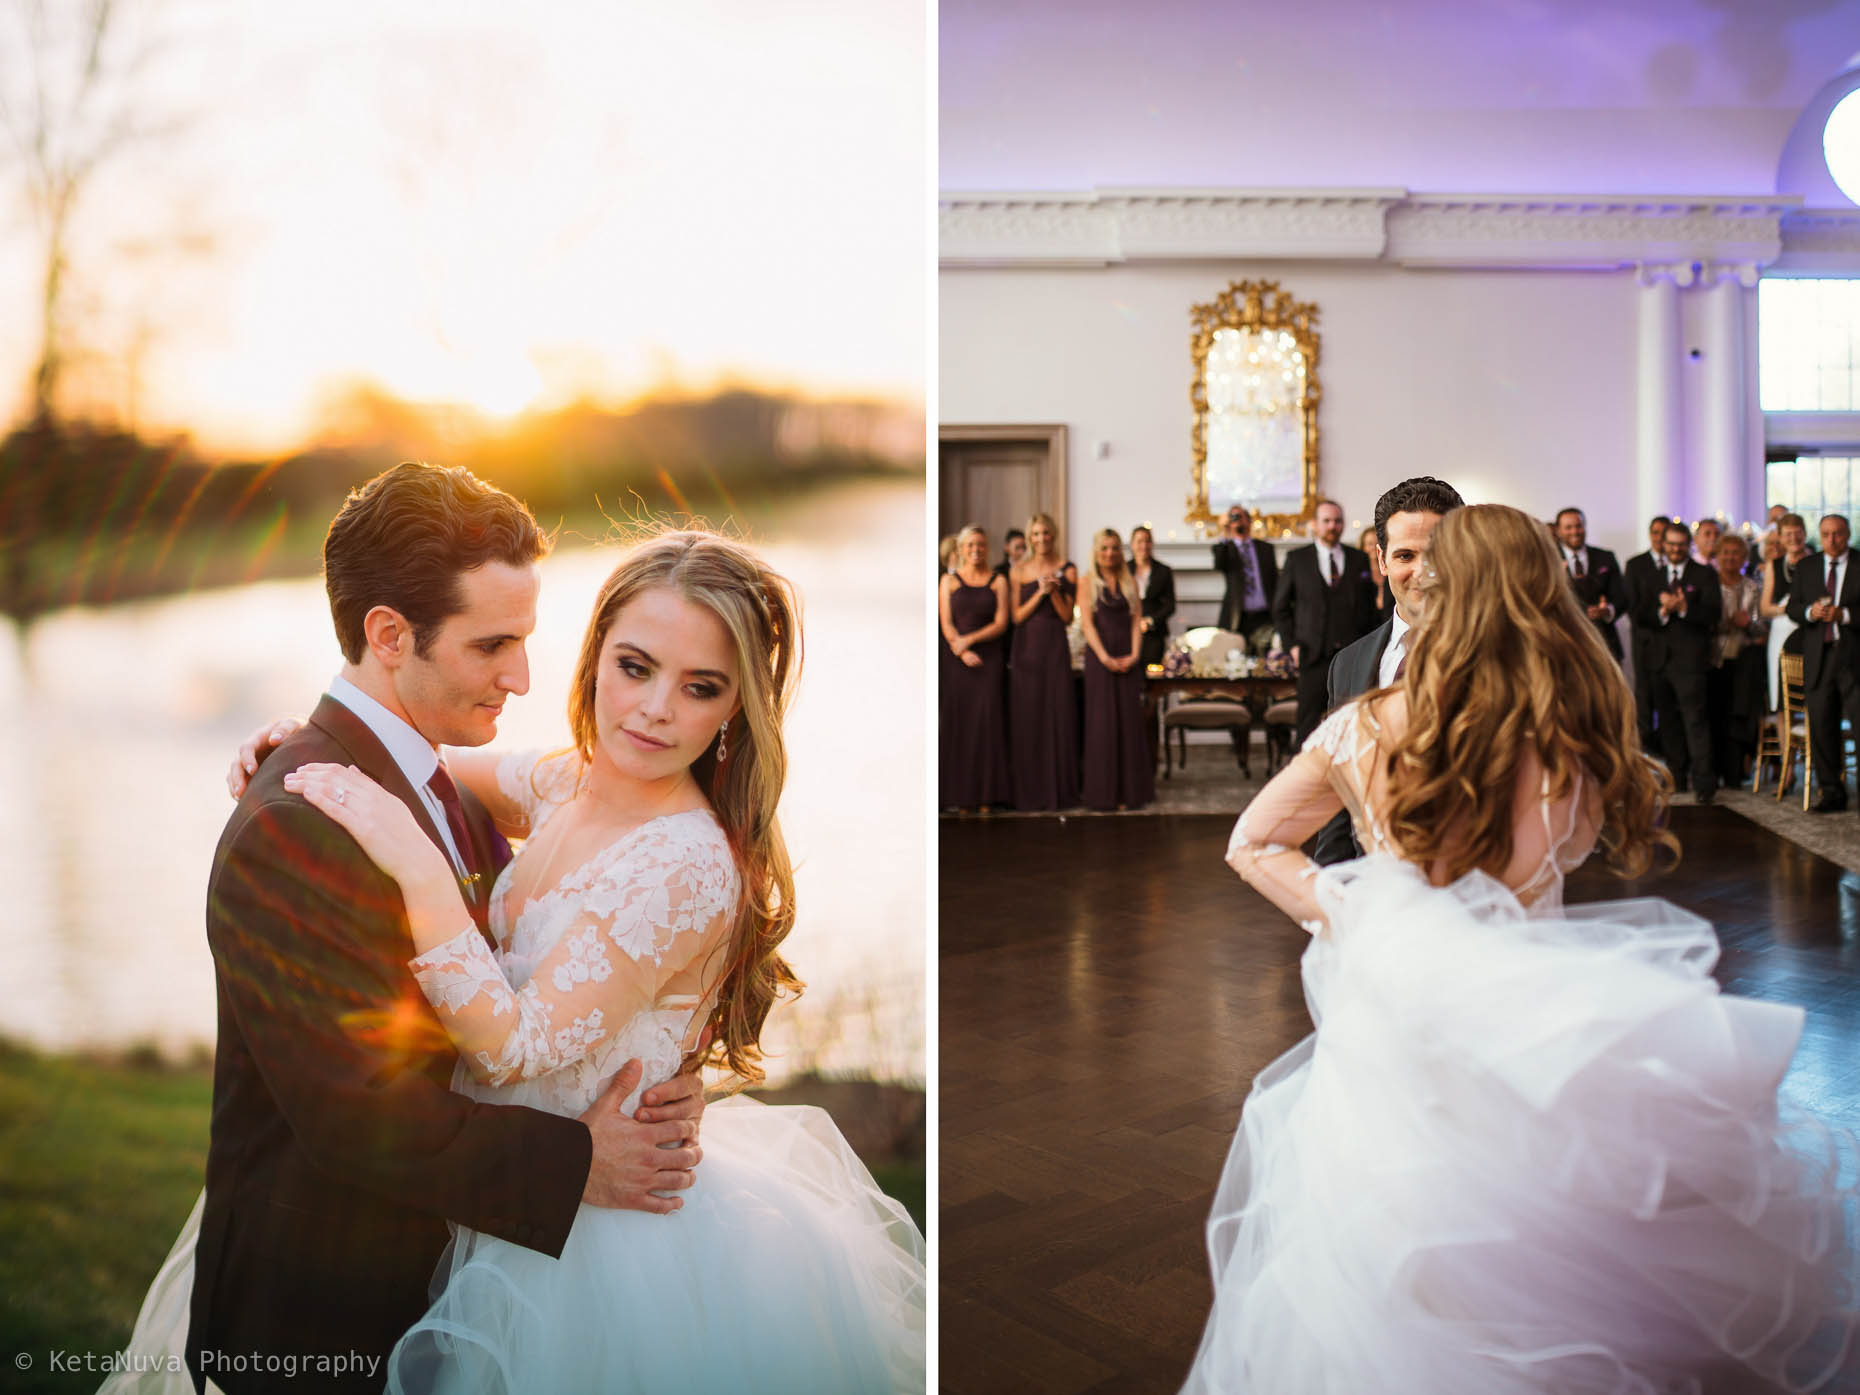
(100, 1163)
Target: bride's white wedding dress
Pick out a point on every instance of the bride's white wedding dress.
(787, 1269)
(1530, 1148)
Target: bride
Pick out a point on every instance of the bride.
(647, 905)
(1529, 1148)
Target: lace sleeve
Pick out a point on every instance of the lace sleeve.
(535, 784)
(1295, 804)
(650, 913)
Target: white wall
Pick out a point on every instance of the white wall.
(1516, 386)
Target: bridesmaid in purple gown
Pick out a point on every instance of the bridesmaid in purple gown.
(1043, 728)
(972, 610)
(1119, 773)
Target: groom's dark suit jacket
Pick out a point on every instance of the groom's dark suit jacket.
(338, 1150)
(1352, 673)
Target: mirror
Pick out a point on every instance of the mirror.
(1255, 394)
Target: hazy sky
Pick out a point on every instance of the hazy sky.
(498, 205)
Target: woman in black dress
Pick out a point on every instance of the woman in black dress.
(1779, 575)
(1156, 586)
(972, 610)
(1042, 714)
(1119, 773)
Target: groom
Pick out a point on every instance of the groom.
(338, 1152)
(1406, 517)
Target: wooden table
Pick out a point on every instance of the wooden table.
(1257, 691)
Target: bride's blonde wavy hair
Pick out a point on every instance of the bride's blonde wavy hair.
(759, 610)
(1506, 662)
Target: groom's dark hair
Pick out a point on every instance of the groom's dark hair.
(403, 540)
(1422, 494)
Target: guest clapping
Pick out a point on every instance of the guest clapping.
(1735, 694)
(1156, 588)
(1825, 601)
(1594, 575)
(1119, 772)
(1677, 611)
(1042, 712)
(972, 607)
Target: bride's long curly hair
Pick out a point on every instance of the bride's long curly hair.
(759, 610)
(1506, 662)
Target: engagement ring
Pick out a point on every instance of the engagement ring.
(342, 796)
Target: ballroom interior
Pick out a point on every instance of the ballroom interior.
(1561, 255)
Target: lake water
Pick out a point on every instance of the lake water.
(117, 724)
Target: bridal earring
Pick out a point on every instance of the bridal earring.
(722, 732)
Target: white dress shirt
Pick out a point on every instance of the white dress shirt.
(413, 753)
(1395, 652)
(1837, 568)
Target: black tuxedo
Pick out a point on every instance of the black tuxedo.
(338, 1151)
(1158, 606)
(1830, 671)
(1637, 577)
(1322, 620)
(1229, 563)
(1600, 581)
(1678, 657)
(1352, 673)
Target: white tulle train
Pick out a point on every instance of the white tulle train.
(1526, 1155)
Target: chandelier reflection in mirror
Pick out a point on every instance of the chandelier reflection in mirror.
(1255, 394)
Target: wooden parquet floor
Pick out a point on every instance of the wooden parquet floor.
(1108, 991)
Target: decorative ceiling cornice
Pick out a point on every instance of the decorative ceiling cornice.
(1552, 231)
(1818, 239)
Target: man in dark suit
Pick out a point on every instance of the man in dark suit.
(1824, 599)
(1252, 573)
(1676, 610)
(1325, 602)
(1594, 575)
(338, 1152)
(1640, 576)
(1406, 517)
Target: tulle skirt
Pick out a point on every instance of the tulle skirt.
(787, 1270)
(1526, 1154)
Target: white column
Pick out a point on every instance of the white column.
(1725, 472)
(1659, 473)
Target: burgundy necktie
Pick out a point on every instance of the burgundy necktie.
(447, 794)
(1330, 568)
(1575, 565)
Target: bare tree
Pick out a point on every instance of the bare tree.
(72, 100)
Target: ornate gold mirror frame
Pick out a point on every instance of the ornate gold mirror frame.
(1255, 394)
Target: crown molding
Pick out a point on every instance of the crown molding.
(1821, 239)
(1549, 231)
(1139, 225)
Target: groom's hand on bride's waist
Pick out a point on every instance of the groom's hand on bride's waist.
(636, 1158)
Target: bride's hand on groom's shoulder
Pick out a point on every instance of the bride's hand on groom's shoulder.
(635, 1161)
(382, 824)
(254, 749)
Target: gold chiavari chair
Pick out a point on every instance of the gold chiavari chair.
(1790, 732)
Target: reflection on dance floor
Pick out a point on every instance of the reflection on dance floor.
(1108, 991)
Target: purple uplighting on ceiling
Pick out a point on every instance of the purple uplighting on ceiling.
(1592, 96)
